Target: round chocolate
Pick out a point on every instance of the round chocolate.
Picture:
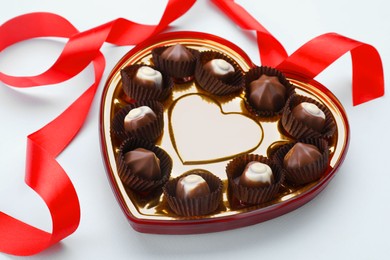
(192, 186)
(139, 117)
(143, 163)
(256, 174)
(267, 93)
(300, 155)
(148, 77)
(219, 68)
(177, 53)
(310, 115)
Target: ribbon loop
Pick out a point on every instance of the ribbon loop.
(317, 54)
(271, 50)
(24, 27)
(43, 173)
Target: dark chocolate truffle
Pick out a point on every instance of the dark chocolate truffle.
(219, 68)
(148, 77)
(143, 163)
(310, 115)
(256, 174)
(177, 53)
(192, 186)
(267, 93)
(139, 117)
(300, 155)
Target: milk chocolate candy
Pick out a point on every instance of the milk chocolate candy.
(310, 115)
(300, 155)
(139, 117)
(256, 174)
(177, 53)
(218, 74)
(144, 83)
(219, 68)
(194, 193)
(192, 186)
(148, 77)
(304, 117)
(143, 163)
(267, 93)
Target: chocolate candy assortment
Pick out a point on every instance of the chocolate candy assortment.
(198, 132)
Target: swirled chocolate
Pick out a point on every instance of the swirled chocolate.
(143, 163)
(300, 155)
(310, 115)
(177, 52)
(148, 77)
(256, 174)
(139, 117)
(267, 93)
(219, 68)
(192, 186)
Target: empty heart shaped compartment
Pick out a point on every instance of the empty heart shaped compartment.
(202, 132)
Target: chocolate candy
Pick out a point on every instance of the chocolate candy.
(267, 93)
(139, 117)
(300, 155)
(192, 186)
(177, 53)
(148, 77)
(310, 115)
(143, 163)
(256, 174)
(219, 68)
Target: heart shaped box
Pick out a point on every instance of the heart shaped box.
(151, 213)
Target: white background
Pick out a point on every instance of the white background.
(348, 220)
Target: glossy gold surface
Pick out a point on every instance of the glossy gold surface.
(202, 131)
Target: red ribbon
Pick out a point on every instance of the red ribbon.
(43, 173)
(316, 55)
(271, 50)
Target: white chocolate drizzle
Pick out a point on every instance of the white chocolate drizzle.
(259, 172)
(148, 73)
(221, 67)
(312, 109)
(190, 182)
(137, 113)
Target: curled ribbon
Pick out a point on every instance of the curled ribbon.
(271, 50)
(316, 55)
(45, 175)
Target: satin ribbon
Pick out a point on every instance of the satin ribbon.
(271, 50)
(43, 173)
(316, 55)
